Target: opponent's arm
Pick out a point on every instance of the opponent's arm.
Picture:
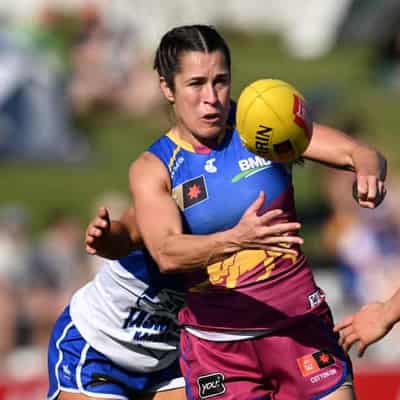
(160, 224)
(369, 324)
(336, 149)
(112, 239)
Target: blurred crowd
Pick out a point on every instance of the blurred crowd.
(38, 274)
(62, 64)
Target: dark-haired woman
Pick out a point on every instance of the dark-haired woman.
(256, 326)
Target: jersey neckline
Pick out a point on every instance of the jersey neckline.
(201, 150)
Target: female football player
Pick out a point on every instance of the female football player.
(256, 326)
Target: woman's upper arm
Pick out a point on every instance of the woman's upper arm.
(128, 221)
(157, 215)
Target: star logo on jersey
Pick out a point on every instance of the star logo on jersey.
(194, 192)
(190, 192)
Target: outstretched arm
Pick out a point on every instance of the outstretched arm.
(112, 239)
(369, 324)
(336, 149)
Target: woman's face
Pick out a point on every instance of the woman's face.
(201, 96)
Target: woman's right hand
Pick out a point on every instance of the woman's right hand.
(266, 230)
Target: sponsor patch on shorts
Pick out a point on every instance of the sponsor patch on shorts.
(307, 365)
(211, 385)
(312, 363)
(323, 358)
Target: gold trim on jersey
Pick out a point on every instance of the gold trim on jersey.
(227, 273)
(181, 143)
(177, 195)
(173, 158)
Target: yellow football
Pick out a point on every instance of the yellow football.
(273, 120)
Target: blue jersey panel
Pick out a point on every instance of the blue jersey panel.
(199, 179)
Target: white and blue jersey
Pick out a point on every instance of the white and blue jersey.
(120, 333)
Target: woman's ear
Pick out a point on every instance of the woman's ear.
(166, 90)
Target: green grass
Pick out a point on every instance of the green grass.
(341, 84)
(42, 188)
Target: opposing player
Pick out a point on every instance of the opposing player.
(370, 324)
(256, 325)
(118, 338)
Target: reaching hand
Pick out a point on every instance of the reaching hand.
(266, 230)
(97, 232)
(366, 327)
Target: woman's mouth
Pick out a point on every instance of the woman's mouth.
(212, 118)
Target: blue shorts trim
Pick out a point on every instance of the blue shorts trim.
(74, 366)
(347, 374)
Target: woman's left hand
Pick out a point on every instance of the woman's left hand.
(336, 149)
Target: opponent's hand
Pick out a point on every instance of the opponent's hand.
(266, 230)
(369, 188)
(97, 232)
(365, 327)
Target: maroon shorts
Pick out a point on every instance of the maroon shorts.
(301, 362)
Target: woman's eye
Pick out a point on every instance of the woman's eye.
(222, 81)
